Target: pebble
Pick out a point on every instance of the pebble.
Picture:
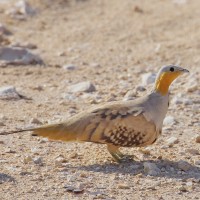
(197, 162)
(86, 86)
(38, 161)
(171, 141)
(59, 160)
(8, 93)
(183, 165)
(192, 151)
(21, 10)
(178, 99)
(123, 186)
(9, 150)
(151, 168)
(169, 120)
(193, 86)
(130, 95)
(182, 189)
(70, 67)
(27, 159)
(140, 88)
(148, 78)
(4, 30)
(35, 121)
(197, 139)
(18, 56)
(95, 65)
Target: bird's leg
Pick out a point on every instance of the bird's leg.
(118, 155)
(114, 151)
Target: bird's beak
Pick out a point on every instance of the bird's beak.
(184, 70)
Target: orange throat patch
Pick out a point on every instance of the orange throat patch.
(164, 81)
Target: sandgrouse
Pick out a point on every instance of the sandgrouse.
(133, 123)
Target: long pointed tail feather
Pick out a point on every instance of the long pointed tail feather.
(53, 132)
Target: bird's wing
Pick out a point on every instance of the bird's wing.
(117, 123)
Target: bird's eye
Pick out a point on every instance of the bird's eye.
(171, 69)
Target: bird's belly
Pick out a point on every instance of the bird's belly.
(130, 138)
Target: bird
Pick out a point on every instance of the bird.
(131, 123)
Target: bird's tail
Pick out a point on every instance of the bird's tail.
(53, 132)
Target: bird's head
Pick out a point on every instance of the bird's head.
(166, 76)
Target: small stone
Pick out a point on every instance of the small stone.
(148, 78)
(140, 88)
(189, 184)
(18, 56)
(4, 30)
(183, 165)
(197, 162)
(146, 150)
(35, 121)
(168, 121)
(8, 93)
(193, 151)
(182, 189)
(123, 186)
(59, 160)
(9, 150)
(70, 67)
(171, 141)
(25, 8)
(27, 159)
(43, 140)
(86, 86)
(130, 95)
(197, 139)
(192, 87)
(38, 161)
(95, 65)
(179, 99)
(151, 169)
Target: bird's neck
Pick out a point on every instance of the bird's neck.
(164, 81)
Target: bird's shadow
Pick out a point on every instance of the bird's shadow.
(6, 178)
(169, 169)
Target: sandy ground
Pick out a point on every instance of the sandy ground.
(111, 43)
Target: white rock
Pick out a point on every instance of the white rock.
(180, 2)
(18, 56)
(95, 65)
(130, 95)
(70, 67)
(169, 120)
(8, 93)
(183, 165)
(171, 141)
(59, 160)
(148, 78)
(151, 168)
(25, 8)
(86, 86)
